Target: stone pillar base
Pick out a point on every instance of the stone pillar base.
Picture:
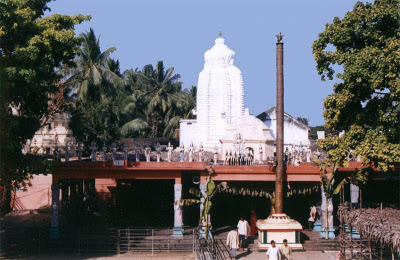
(278, 227)
(317, 227)
(331, 233)
(177, 232)
(54, 233)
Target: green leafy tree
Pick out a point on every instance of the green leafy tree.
(364, 47)
(32, 49)
(96, 76)
(95, 122)
(313, 131)
(97, 82)
(181, 108)
(303, 120)
(157, 90)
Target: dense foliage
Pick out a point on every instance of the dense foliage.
(108, 105)
(32, 48)
(364, 46)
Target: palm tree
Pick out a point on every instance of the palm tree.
(131, 122)
(94, 78)
(158, 91)
(182, 108)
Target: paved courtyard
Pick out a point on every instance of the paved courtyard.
(317, 255)
(314, 255)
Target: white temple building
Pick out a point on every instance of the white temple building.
(295, 132)
(251, 133)
(54, 134)
(219, 98)
(221, 119)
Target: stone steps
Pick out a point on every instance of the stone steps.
(312, 241)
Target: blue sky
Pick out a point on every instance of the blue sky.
(180, 31)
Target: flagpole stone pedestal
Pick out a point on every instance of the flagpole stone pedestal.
(278, 227)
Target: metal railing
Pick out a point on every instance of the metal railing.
(155, 240)
(210, 248)
(40, 240)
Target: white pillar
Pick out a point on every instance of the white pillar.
(354, 195)
(330, 228)
(203, 192)
(178, 229)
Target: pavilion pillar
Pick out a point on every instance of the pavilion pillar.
(92, 194)
(203, 187)
(331, 230)
(178, 223)
(64, 194)
(318, 220)
(355, 196)
(55, 199)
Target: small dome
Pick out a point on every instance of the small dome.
(249, 127)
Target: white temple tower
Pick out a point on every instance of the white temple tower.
(219, 95)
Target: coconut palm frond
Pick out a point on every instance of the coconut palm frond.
(133, 126)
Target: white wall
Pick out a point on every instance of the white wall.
(188, 132)
(293, 133)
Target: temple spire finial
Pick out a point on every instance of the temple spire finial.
(220, 34)
(279, 37)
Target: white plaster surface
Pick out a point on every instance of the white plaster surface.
(219, 94)
(295, 132)
(188, 132)
(254, 134)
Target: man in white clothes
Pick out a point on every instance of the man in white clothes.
(232, 242)
(244, 230)
(273, 252)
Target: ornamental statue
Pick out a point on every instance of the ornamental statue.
(260, 152)
(191, 150)
(147, 151)
(169, 149)
(67, 152)
(201, 152)
(79, 148)
(104, 152)
(182, 153)
(215, 155)
(93, 148)
(114, 150)
(158, 151)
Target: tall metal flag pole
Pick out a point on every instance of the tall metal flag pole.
(279, 125)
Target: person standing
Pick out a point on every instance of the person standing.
(244, 230)
(273, 253)
(232, 242)
(313, 212)
(286, 251)
(253, 223)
